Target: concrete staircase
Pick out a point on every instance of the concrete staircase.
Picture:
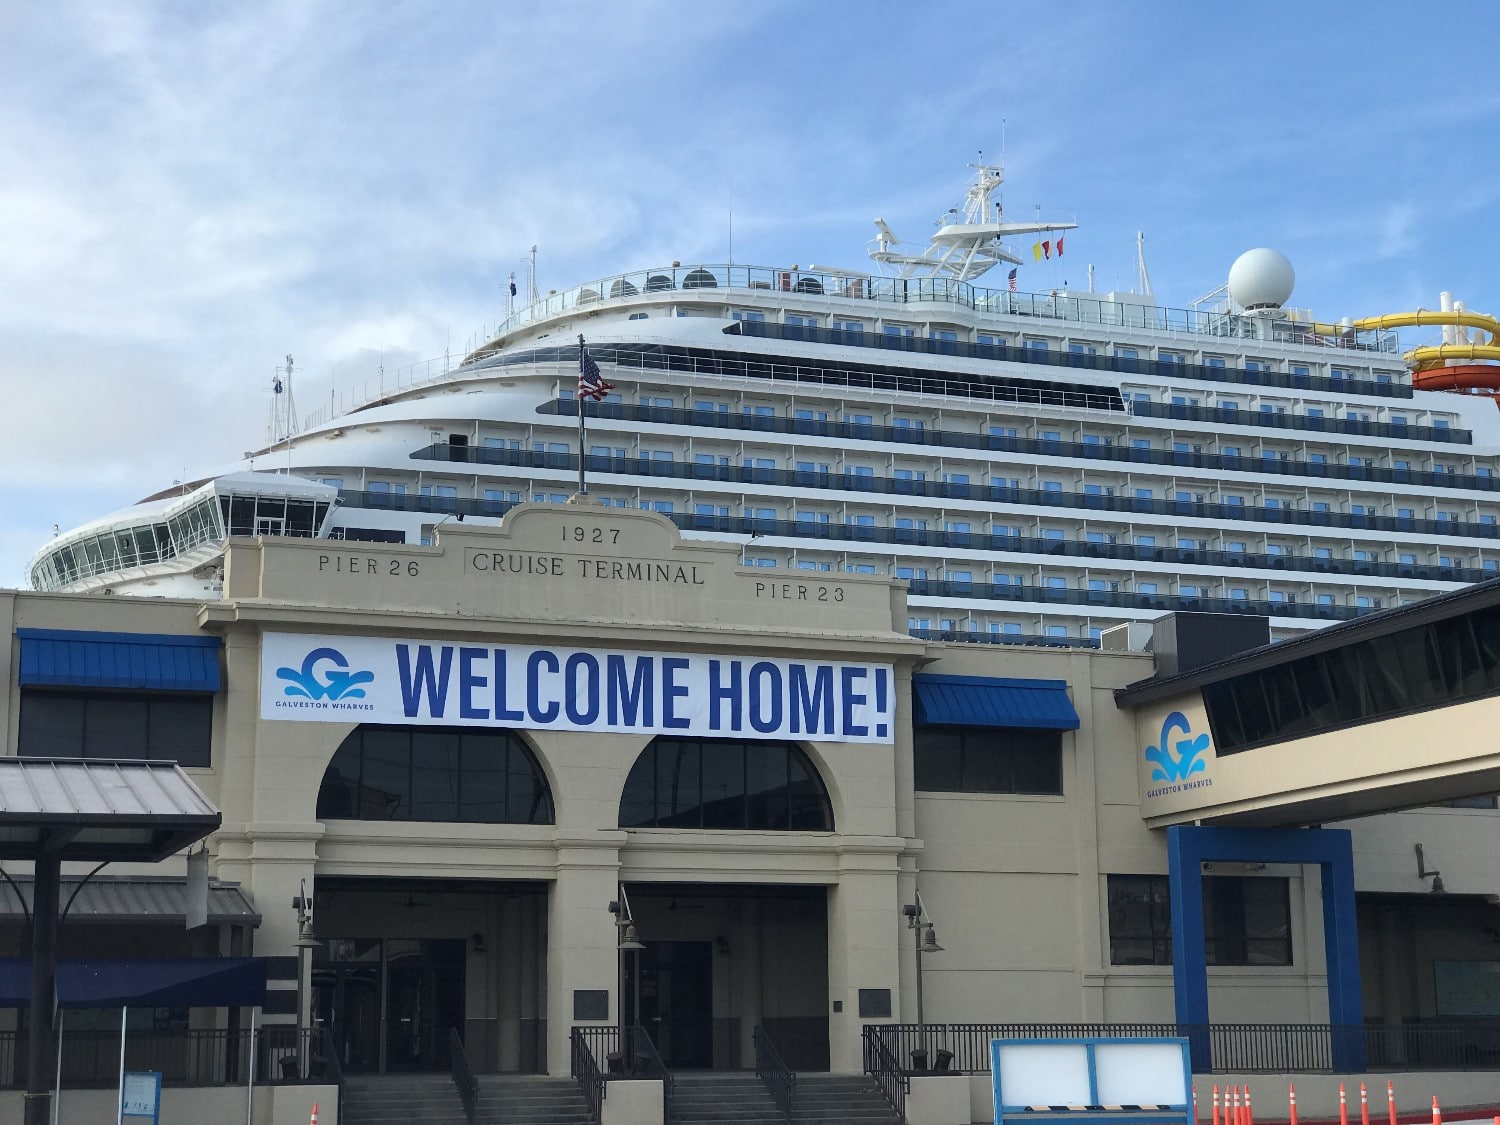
(741, 1098)
(841, 1099)
(698, 1098)
(530, 1099)
(399, 1099)
(720, 1097)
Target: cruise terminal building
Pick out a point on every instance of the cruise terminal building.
(579, 771)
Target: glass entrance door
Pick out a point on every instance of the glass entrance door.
(677, 1001)
(389, 1003)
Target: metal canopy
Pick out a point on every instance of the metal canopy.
(82, 658)
(131, 900)
(83, 809)
(983, 701)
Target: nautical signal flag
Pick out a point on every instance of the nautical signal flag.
(591, 384)
(1042, 250)
(1012, 281)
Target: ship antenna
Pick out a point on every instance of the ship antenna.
(731, 221)
(1144, 278)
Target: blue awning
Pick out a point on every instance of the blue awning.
(184, 982)
(150, 661)
(981, 701)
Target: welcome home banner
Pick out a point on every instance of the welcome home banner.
(446, 683)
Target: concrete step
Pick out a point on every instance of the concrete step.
(530, 1100)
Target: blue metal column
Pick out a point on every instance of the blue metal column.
(1189, 948)
(1188, 848)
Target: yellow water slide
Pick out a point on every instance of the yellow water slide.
(1434, 357)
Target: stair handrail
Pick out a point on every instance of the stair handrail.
(780, 1079)
(586, 1071)
(333, 1065)
(883, 1064)
(646, 1062)
(463, 1074)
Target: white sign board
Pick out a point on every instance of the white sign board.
(1105, 1081)
(140, 1094)
(333, 679)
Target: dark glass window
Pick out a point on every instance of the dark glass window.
(987, 760)
(723, 783)
(1140, 920)
(136, 725)
(1247, 920)
(1416, 669)
(452, 774)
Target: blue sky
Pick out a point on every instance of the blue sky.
(189, 192)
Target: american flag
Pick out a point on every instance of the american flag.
(591, 384)
(1012, 281)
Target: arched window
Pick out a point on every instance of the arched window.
(725, 783)
(464, 774)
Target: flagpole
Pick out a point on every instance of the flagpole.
(583, 486)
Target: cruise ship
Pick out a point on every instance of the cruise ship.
(1039, 466)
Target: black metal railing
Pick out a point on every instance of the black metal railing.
(993, 440)
(644, 1061)
(780, 1081)
(883, 1064)
(463, 1074)
(586, 1070)
(999, 542)
(185, 1057)
(1129, 365)
(334, 1066)
(995, 492)
(1235, 1048)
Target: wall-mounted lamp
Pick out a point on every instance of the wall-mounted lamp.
(1423, 873)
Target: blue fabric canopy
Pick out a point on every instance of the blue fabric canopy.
(981, 701)
(183, 982)
(148, 661)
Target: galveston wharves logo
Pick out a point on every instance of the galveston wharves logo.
(1177, 769)
(324, 683)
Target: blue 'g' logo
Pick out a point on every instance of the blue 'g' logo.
(1187, 762)
(336, 683)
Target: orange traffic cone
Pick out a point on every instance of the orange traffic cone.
(1216, 1104)
(1437, 1114)
(1364, 1106)
(1291, 1098)
(1390, 1102)
(1249, 1109)
(1343, 1106)
(314, 1120)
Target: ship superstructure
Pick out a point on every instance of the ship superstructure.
(1037, 466)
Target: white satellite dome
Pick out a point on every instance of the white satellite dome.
(1261, 279)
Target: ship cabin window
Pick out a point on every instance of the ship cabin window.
(1172, 357)
(1036, 345)
(1257, 365)
(639, 316)
(1082, 349)
(754, 315)
(334, 482)
(1229, 405)
(1300, 369)
(989, 340)
(1214, 361)
(1056, 631)
(849, 327)
(901, 330)
(946, 335)
(908, 423)
(796, 321)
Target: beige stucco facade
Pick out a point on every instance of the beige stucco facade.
(803, 925)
